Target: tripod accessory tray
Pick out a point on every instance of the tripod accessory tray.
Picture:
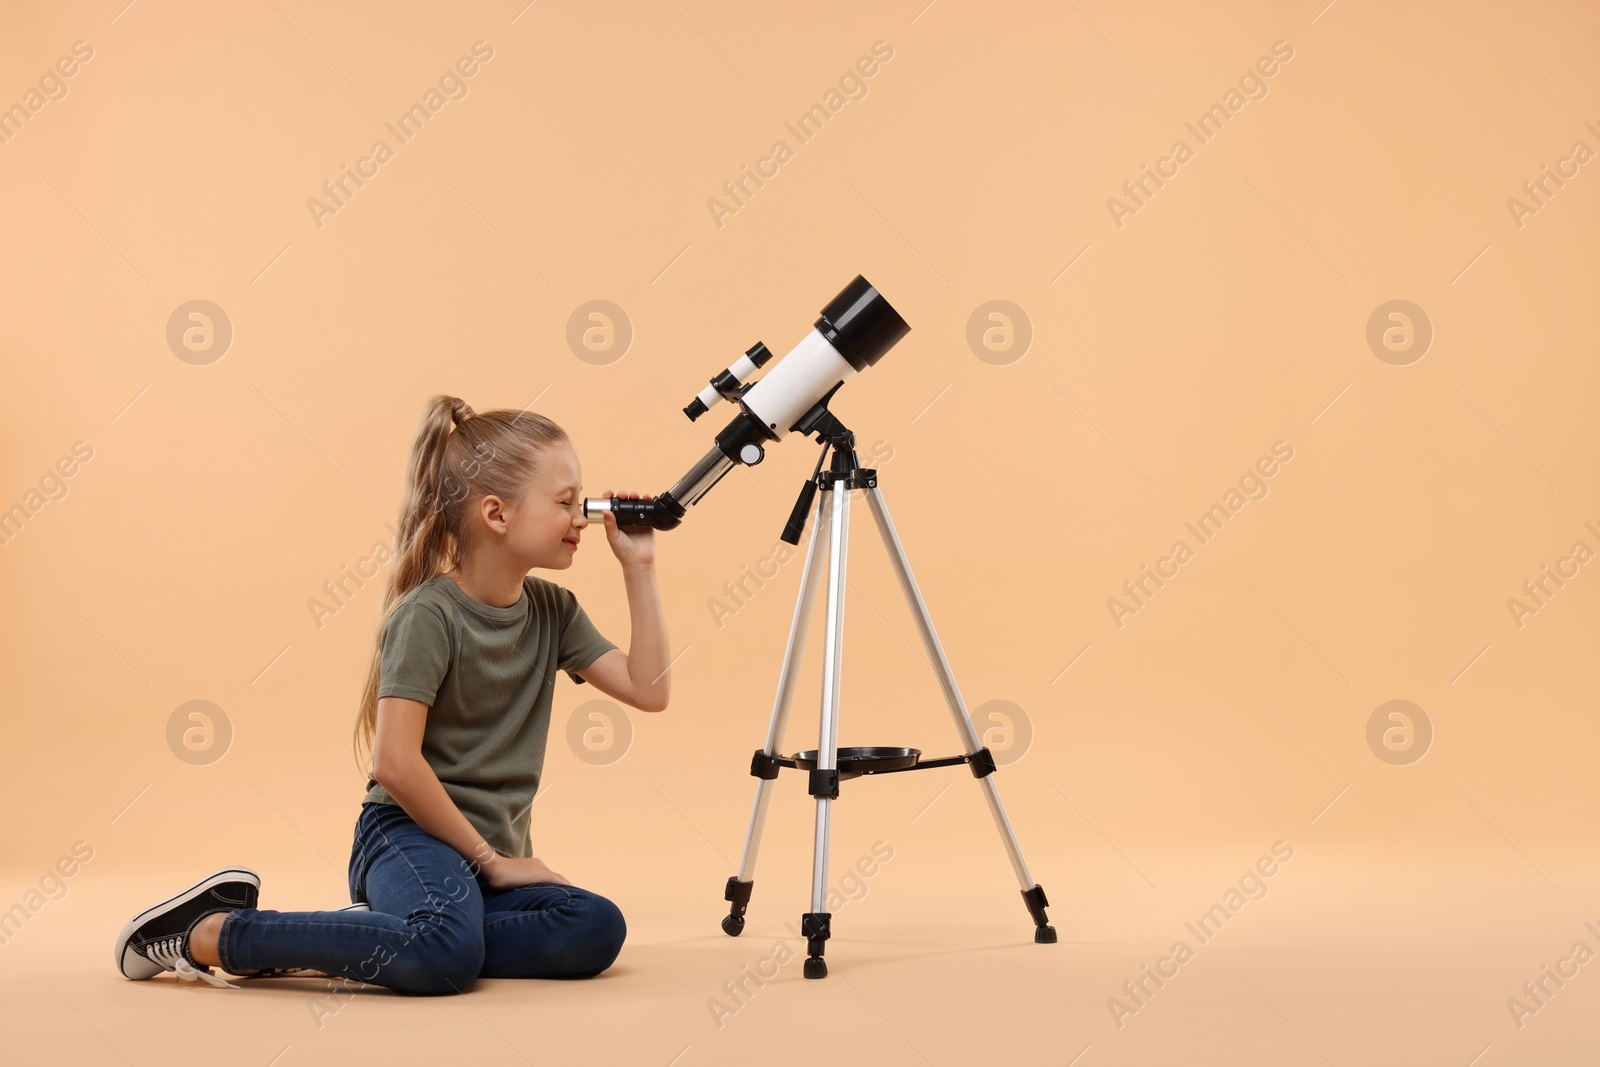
(853, 762)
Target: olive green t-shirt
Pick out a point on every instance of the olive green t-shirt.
(487, 675)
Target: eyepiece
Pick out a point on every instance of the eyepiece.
(660, 512)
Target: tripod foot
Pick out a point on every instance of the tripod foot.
(816, 926)
(1043, 933)
(739, 893)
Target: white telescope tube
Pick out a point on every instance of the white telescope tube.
(796, 382)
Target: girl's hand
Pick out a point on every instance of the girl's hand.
(631, 544)
(507, 872)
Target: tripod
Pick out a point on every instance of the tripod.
(828, 765)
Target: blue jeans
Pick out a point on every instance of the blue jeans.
(434, 925)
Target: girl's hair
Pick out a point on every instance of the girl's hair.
(457, 457)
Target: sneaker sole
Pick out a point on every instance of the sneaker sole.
(226, 874)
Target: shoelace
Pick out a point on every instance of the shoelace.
(291, 972)
(168, 951)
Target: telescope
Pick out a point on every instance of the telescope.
(852, 333)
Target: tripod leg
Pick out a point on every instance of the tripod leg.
(740, 885)
(814, 924)
(982, 766)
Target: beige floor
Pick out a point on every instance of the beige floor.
(1343, 960)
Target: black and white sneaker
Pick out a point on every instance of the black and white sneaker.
(301, 972)
(157, 939)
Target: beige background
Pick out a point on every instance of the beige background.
(1230, 312)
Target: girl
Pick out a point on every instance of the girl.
(458, 696)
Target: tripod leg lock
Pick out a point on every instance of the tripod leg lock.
(825, 783)
(764, 766)
(739, 893)
(815, 927)
(1034, 898)
(982, 763)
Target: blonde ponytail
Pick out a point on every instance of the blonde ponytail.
(457, 458)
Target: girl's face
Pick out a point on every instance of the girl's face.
(547, 523)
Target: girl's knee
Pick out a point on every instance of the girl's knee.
(607, 930)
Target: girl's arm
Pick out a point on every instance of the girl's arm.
(639, 677)
(648, 651)
(642, 676)
(398, 766)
